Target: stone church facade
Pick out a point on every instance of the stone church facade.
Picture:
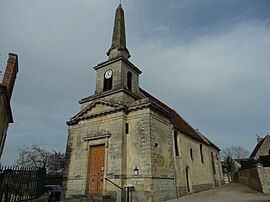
(125, 136)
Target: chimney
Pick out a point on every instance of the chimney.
(10, 73)
(259, 138)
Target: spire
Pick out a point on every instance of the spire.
(118, 48)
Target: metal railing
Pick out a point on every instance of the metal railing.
(127, 189)
(19, 184)
(114, 183)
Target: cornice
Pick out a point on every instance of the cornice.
(100, 65)
(107, 93)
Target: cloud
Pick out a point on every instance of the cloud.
(218, 81)
(212, 70)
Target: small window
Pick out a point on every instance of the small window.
(127, 128)
(213, 163)
(191, 153)
(129, 80)
(175, 144)
(201, 151)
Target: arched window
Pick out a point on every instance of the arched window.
(175, 143)
(213, 163)
(107, 85)
(191, 154)
(129, 80)
(188, 179)
(201, 151)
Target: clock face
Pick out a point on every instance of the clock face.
(108, 74)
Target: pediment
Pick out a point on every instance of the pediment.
(96, 108)
(99, 108)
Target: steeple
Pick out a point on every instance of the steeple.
(118, 48)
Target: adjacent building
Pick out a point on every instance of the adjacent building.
(255, 171)
(123, 136)
(262, 148)
(6, 88)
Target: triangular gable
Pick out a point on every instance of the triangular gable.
(94, 109)
(258, 146)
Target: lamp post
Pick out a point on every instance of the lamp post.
(136, 171)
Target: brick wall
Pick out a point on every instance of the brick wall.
(10, 73)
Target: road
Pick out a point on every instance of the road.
(232, 192)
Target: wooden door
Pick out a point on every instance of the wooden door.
(96, 169)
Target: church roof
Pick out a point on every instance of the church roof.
(179, 122)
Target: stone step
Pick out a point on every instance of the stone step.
(93, 198)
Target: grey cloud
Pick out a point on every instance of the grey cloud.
(217, 81)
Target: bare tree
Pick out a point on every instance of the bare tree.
(230, 167)
(36, 156)
(56, 163)
(235, 152)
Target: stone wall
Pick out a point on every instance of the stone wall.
(250, 178)
(79, 141)
(264, 174)
(256, 178)
(163, 182)
(200, 172)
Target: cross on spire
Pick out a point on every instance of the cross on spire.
(118, 48)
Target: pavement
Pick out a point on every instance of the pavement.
(232, 192)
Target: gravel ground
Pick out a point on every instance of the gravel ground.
(232, 192)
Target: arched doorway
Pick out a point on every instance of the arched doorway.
(213, 168)
(189, 187)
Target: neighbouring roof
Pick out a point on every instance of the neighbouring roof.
(258, 146)
(179, 122)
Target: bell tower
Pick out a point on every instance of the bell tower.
(117, 74)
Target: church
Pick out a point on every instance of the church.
(126, 139)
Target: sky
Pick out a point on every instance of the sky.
(209, 60)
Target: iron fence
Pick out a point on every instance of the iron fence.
(21, 184)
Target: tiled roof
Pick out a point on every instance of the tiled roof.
(180, 123)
